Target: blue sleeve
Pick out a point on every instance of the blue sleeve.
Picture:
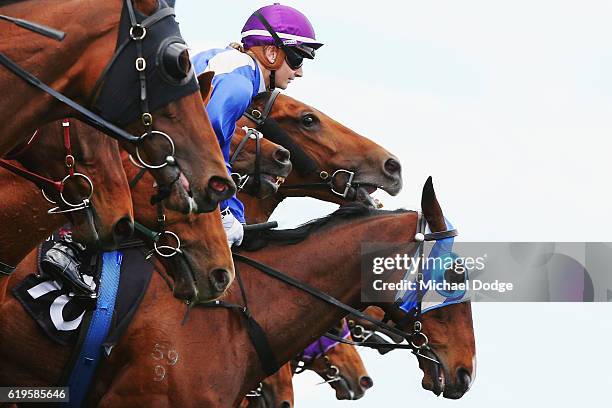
(230, 98)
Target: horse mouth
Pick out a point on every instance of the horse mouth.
(362, 194)
(435, 372)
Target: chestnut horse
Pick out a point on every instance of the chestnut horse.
(320, 147)
(340, 366)
(162, 103)
(210, 361)
(64, 156)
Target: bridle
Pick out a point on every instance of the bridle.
(319, 349)
(155, 236)
(42, 182)
(242, 180)
(139, 29)
(417, 340)
(303, 163)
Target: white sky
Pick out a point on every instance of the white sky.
(508, 105)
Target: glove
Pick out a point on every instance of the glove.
(233, 228)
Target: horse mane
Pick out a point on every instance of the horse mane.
(256, 240)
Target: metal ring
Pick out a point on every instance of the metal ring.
(256, 114)
(420, 346)
(155, 166)
(91, 189)
(46, 197)
(332, 372)
(69, 161)
(134, 162)
(141, 64)
(147, 119)
(358, 331)
(143, 32)
(173, 250)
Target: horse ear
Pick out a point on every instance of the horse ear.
(431, 207)
(205, 81)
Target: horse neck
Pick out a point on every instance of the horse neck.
(328, 260)
(24, 218)
(90, 26)
(258, 210)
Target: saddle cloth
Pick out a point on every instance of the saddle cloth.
(60, 315)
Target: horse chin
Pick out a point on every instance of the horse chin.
(184, 284)
(434, 375)
(344, 391)
(85, 230)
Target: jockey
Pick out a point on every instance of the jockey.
(275, 41)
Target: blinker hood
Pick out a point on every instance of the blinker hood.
(118, 95)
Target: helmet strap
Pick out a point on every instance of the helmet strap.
(272, 80)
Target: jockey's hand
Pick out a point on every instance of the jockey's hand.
(233, 228)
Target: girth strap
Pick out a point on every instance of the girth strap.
(85, 365)
(256, 333)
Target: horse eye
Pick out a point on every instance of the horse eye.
(176, 61)
(309, 120)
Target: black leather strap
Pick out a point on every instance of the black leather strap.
(87, 116)
(255, 331)
(6, 269)
(316, 293)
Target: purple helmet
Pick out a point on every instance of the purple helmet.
(291, 26)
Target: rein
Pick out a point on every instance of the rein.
(304, 164)
(417, 340)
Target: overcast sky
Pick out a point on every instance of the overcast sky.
(508, 105)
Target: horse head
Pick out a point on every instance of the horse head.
(88, 165)
(192, 247)
(341, 366)
(331, 162)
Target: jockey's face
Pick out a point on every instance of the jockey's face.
(284, 75)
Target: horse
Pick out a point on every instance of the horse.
(64, 157)
(69, 165)
(331, 162)
(135, 75)
(338, 364)
(162, 362)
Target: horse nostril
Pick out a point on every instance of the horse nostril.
(217, 184)
(366, 382)
(463, 379)
(220, 279)
(282, 155)
(124, 228)
(285, 404)
(393, 167)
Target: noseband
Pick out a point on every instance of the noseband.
(304, 164)
(242, 180)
